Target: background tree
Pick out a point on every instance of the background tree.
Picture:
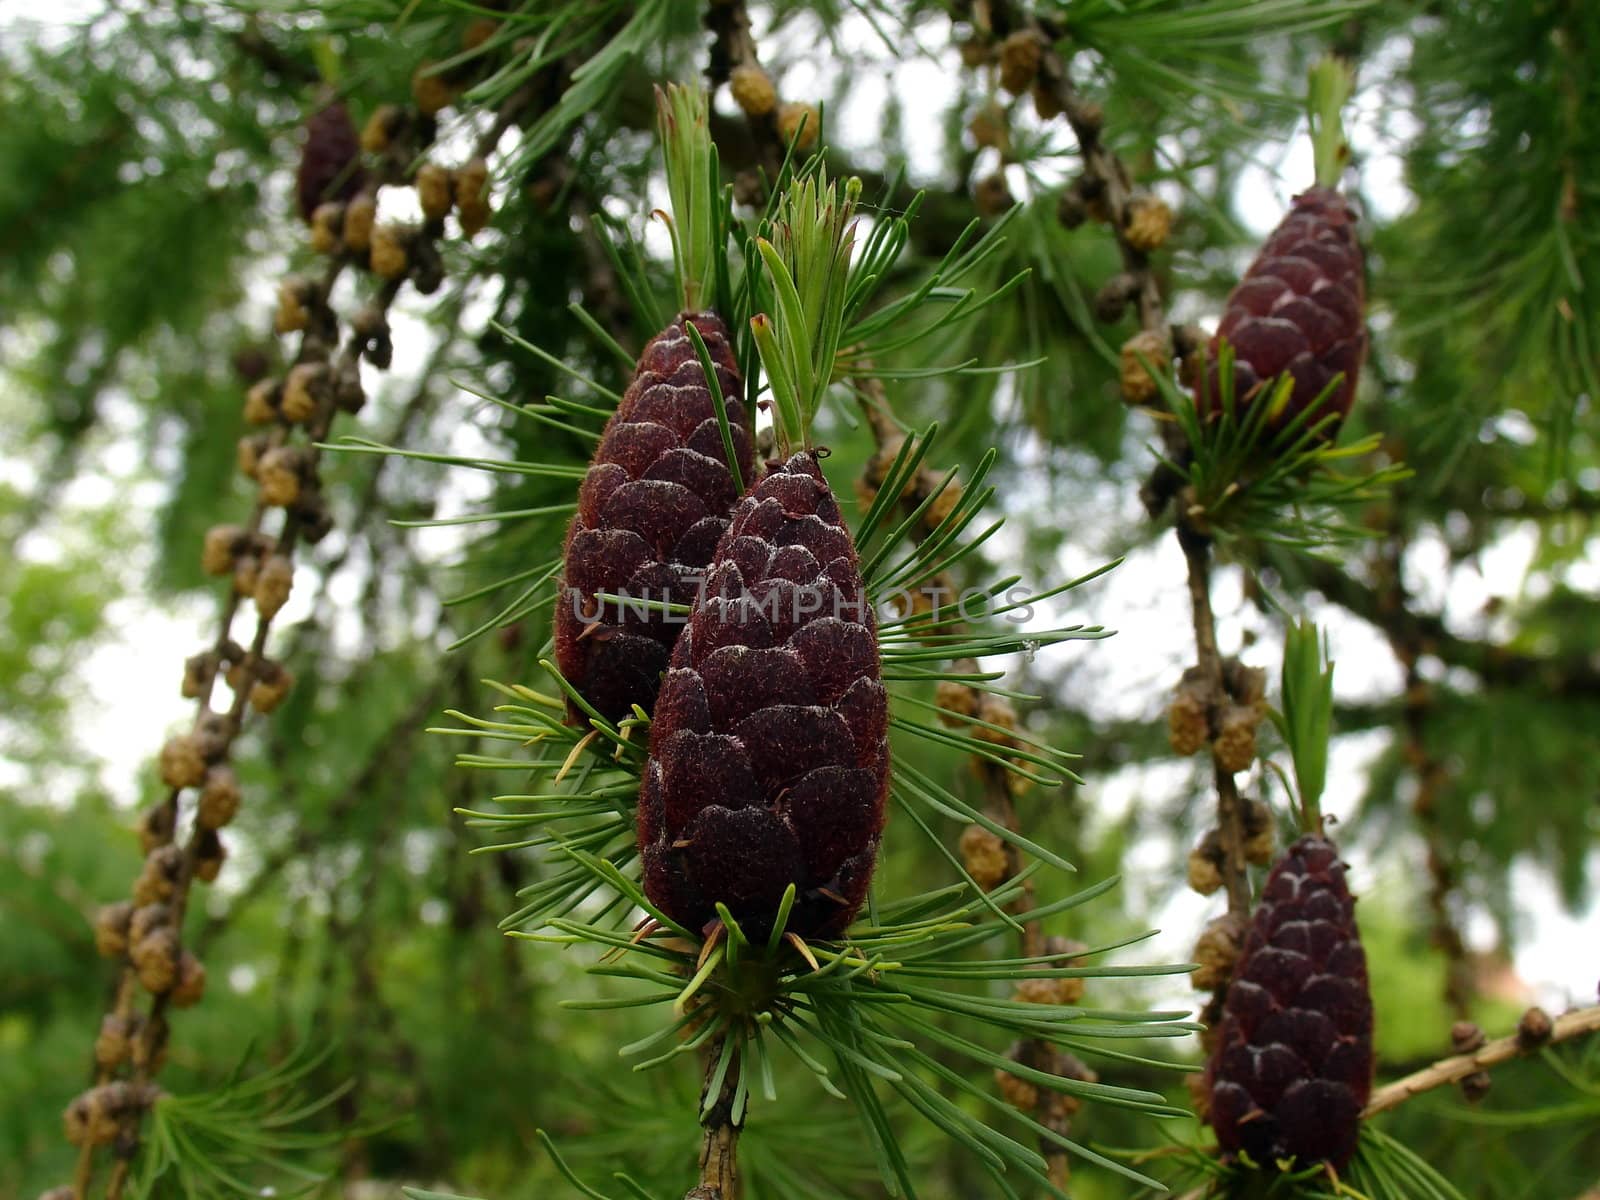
(150, 206)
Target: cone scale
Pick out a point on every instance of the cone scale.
(769, 751)
(651, 510)
(1292, 1068)
(1299, 309)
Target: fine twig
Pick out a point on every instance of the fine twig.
(1446, 1071)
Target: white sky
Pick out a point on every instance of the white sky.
(1140, 599)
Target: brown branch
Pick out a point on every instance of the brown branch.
(1578, 1023)
(719, 1152)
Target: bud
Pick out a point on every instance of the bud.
(1188, 722)
(1475, 1086)
(261, 402)
(988, 127)
(1534, 1030)
(1020, 55)
(1217, 951)
(114, 1041)
(219, 798)
(155, 959)
(294, 294)
(801, 120)
(957, 702)
(360, 215)
(146, 919)
(983, 854)
(1138, 384)
(222, 545)
(155, 827)
(301, 391)
(279, 473)
(381, 128)
(976, 51)
(992, 195)
(1018, 1093)
(472, 196)
(191, 982)
(348, 393)
(94, 1118)
(1149, 222)
(429, 90)
(111, 929)
(149, 1050)
(372, 327)
(326, 222)
(944, 503)
(433, 190)
(273, 582)
(1111, 301)
(249, 451)
(182, 763)
(1465, 1037)
(427, 266)
(1235, 745)
(271, 686)
(1205, 865)
(245, 570)
(753, 90)
(1259, 833)
(1069, 988)
(159, 879)
(388, 255)
(210, 854)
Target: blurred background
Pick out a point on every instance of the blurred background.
(147, 162)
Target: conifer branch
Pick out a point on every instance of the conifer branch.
(1579, 1023)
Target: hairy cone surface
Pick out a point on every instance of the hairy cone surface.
(1293, 1064)
(1299, 308)
(651, 510)
(769, 753)
(330, 160)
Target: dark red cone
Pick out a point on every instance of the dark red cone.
(330, 160)
(650, 513)
(769, 752)
(1300, 308)
(1292, 1067)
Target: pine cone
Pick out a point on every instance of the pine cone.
(1299, 308)
(769, 754)
(650, 512)
(1293, 1065)
(330, 160)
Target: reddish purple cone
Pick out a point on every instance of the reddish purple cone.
(1292, 1068)
(651, 510)
(1299, 308)
(330, 160)
(769, 752)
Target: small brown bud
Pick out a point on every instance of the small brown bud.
(113, 1043)
(261, 402)
(1113, 298)
(1187, 722)
(182, 762)
(279, 473)
(957, 702)
(472, 196)
(250, 363)
(388, 255)
(798, 124)
(1149, 223)
(220, 549)
(348, 393)
(273, 583)
(1247, 685)
(302, 389)
(1534, 1030)
(430, 90)
(245, 572)
(989, 128)
(249, 451)
(1465, 1037)
(1046, 100)
(1190, 344)
(271, 686)
(1205, 865)
(1069, 988)
(427, 266)
(155, 827)
(1020, 55)
(992, 195)
(360, 215)
(111, 928)
(478, 31)
(94, 1118)
(434, 190)
(999, 711)
(1217, 951)
(1018, 1093)
(293, 294)
(753, 90)
(149, 1050)
(210, 854)
(313, 515)
(155, 958)
(1035, 991)
(1235, 745)
(1138, 385)
(976, 51)
(219, 798)
(372, 327)
(159, 878)
(146, 919)
(326, 222)
(983, 854)
(1475, 1086)
(191, 982)
(381, 128)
